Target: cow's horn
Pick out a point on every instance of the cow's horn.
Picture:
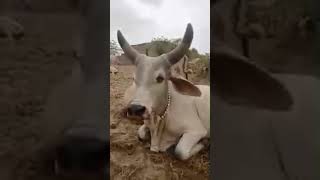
(126, 47)
(176, 54)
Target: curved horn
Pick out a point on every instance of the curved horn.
(176, 54)
(126, 47)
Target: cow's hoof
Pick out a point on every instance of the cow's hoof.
(154, 148)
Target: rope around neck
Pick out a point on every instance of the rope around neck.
(167, 107)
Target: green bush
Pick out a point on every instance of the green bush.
(160, 46)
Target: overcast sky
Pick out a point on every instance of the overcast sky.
(142, 20)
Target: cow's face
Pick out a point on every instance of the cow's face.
(152, 76)
(151, 82)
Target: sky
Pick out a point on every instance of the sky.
(142, 20)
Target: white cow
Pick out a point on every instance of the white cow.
(175, 111)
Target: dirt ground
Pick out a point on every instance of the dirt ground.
(132, 159)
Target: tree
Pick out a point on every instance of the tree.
(160, 45)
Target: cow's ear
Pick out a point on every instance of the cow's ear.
(185, 87)
(238, 80)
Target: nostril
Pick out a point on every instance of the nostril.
(141, 110)
(136, 110)
(130, 111)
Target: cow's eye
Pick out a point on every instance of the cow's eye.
(160, 79)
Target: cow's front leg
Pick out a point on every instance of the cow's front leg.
(144, 133)
(189, 145)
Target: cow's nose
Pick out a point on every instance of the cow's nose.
(136, 110)
(82, 154)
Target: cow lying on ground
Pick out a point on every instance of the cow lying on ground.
(166, 101)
